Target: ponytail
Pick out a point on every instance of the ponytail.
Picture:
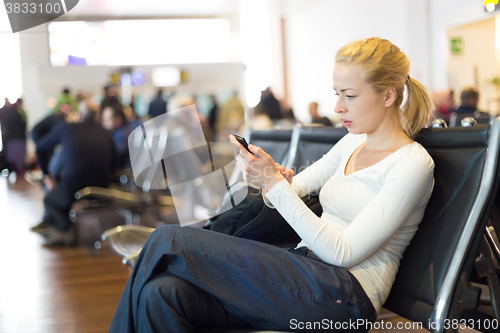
(417, 110)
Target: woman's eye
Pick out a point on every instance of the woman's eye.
(336, 94)
(350, 96)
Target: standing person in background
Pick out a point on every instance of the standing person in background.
(213, 114)
(231, 117)
(315, 117)
(88, 160)
(13, 127)
(65, 98)
(158, 105)
(110, 96)
(269, 105)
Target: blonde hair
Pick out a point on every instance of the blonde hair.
(386, 66)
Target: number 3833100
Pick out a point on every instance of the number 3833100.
(33, 8)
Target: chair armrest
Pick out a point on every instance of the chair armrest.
(118, 197)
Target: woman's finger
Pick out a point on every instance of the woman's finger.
(256, 150)
(245, 153)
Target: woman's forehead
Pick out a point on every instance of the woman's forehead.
(347, 76)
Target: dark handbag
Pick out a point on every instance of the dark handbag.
(252, 219)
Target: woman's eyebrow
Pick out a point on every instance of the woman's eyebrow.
(342, 90)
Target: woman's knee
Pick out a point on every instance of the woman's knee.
(166, 291)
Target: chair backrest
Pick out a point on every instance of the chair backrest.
(310, 143)
(274, 142)
(481, 118)
(443, 251)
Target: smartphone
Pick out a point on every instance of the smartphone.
(242, 141)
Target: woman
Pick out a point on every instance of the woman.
(375, 184)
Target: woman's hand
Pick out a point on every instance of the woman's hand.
(258, 169)
(287, 174)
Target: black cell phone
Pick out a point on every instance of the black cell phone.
(243, 142)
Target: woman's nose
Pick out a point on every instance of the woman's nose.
(339, 106)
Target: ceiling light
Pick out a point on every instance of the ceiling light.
(490, 5)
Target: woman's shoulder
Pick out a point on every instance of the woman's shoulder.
(415, 156)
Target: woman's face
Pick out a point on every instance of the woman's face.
(361, 108)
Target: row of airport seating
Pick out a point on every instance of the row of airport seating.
(449, 272)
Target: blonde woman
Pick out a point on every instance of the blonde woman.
(374, 187)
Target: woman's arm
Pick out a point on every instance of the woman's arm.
(408, 184)
(261, 170)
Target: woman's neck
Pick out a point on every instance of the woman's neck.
(389, 136)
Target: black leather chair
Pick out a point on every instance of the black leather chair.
(480, 117)
(310, 143)
(275, 142)
(434, 285)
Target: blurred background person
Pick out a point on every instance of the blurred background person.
(158, 105)
(66, 98)
(258, 120)
(316, 118)
(114, 120)
(88, 160)
(110, 96)
(213, 114)
(444, 103)
(469, 98)
(230, 117)
(269, 105)
(13, 128)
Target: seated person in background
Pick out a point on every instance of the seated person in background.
(469, 98)
(132, 120)
(444, 103)
(375, 184)
(88, 159)
(316, 118)
(46, 124)
(114, 120)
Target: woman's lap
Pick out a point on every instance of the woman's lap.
(266, 286)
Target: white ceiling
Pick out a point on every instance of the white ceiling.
(148, 8)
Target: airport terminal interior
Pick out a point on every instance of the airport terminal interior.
(116, 116)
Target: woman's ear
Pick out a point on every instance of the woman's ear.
(390, 96)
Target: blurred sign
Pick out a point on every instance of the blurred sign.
(137, 77)
(184, 76)
(456, 45)
(114, 78)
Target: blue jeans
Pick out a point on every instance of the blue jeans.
(187, 277)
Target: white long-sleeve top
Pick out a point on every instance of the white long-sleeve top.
(369, 216)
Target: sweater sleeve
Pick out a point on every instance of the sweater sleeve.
(406, 188)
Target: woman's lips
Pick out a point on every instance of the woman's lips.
(346, 123)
